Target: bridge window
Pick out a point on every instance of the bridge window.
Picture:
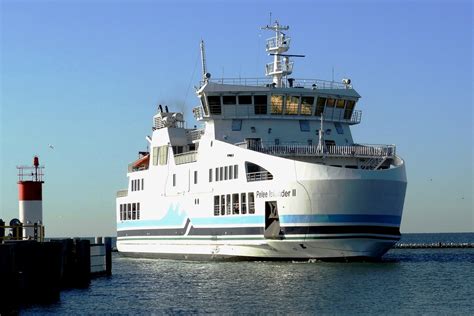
(256, 172)
(277, 104)
(129, 211)
(214, 104)
(304, 126)
(236, 125)
(340, 103)
(174, 179)
(229, 99)
(307, 105)
(225, 172)
(138, 210)
(221, 173)
(260, 104)
(330, 103)
(320, 106)
(134, 211)
(292, 105)
(195, 177)
(251, 203)
(210, 175)
(245, 99)
(231, 172)
(349, 108)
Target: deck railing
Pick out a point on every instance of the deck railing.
(358, 150)
(259, 176)
(188, 157)
(297, 83)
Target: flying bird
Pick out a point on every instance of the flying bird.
(51, 146)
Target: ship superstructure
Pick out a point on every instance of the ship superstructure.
(273, 173)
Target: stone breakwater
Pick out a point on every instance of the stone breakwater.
(434, 245)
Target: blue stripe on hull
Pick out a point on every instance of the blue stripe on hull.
(259, 220)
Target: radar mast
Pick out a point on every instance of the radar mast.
(277, 45)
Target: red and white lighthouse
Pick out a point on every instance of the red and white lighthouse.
(30, 195)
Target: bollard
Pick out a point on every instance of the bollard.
(35, 232)
(83, 267)
(2, 230)
(98, 240)
(108, 255)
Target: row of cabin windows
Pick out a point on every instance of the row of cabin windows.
(130, 211)
(233, 204)
(224, 173)
(137, 184)
(282, 104)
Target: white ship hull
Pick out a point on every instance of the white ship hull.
(298, 249)
(325, 212)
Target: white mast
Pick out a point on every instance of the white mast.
(277, 45)
(205, 74)
(322, 149)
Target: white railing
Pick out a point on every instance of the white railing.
(359, 151)
(356, 117)
(198, 112)
(298, 83)
(194, 134)
(280, 67)
(259, 176)
(188, 157)
(273, 42)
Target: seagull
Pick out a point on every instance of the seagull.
(51, 146)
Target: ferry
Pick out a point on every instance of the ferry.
(273, 172)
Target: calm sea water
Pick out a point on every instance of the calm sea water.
(406, 281)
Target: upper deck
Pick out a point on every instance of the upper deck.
(315, 84)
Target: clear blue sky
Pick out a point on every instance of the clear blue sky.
(86, 76)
